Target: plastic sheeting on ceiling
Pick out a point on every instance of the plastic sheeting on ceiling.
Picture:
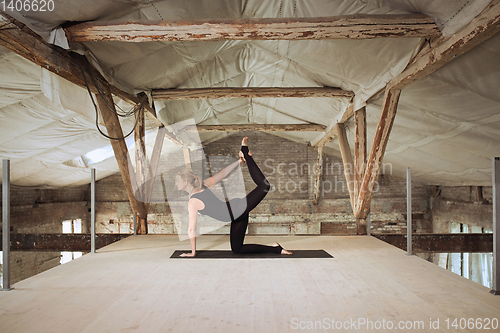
(446, 128)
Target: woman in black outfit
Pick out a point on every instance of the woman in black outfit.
(236, 211)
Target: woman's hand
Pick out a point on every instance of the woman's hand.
(242, 158)
(192, 254)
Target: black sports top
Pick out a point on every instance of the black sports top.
(214, 207)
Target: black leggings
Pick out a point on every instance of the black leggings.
(239, 225)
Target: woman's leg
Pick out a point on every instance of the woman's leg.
(237, 236)
(263, 186)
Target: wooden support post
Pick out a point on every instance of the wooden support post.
(359, 150)
(153, 164)
(345, 151)
(318, 172)
(187, 158)
(114, 129)
(140, 168)
(377, 151)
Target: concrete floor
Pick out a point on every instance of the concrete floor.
(133, 285)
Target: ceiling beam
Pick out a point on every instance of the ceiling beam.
(445, 49)
(21, 40)
(359, 26)
(331, 131)
(256, 92)
(256, 127)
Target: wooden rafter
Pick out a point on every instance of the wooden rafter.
(112, 123)
(359, 26)
(256, 127)
(256, 92)
(21, 40)
(331, 132)
(446, 49)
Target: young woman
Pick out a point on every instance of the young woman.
(236, 211)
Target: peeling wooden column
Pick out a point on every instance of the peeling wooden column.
(360, 165)
(345, 151)
(318, 171)
(140, 168)
(187, 158)
(153, 165)
(377, 152)
(359, 150)
(112, 123)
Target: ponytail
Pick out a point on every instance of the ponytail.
(189, 176)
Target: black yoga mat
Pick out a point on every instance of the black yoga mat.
(226, 254)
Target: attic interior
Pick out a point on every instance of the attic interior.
(341, 101)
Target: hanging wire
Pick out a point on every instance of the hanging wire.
(137, 108)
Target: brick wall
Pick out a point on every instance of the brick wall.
(287, 209)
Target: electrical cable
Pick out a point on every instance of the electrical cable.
(137, 108)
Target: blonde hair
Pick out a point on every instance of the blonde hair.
(189, 176)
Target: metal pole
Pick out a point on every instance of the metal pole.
(135, 224)
(368, 224)
(6, 224)
(496, 226)
(408, 211)
(92, 210)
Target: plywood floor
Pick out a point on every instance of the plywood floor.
(133, 285)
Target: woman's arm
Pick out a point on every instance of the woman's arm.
(209, 182)
(193, 206)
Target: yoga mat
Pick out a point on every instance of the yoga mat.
(226, 254)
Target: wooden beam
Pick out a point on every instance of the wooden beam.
(140, 169)
(256, 92)
(377, 151)
(359, 26)
(332, 133)
(445, 50)
(439, 243)
(187, 158)
(345, 151)
(256, 127)
(318, 173)
(114, 129)
(359, 150)
(60, 242)
(153, 164)
(21, 40)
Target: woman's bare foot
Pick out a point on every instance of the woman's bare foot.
(283, 251)
(244, 143)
